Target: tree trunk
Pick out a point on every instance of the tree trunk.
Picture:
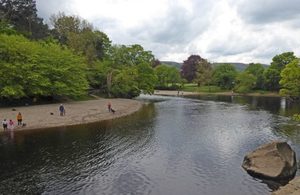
(109, 81)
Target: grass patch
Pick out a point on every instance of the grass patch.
(191, 87)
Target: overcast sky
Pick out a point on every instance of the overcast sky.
(218, 30)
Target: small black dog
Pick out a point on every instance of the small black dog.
(112, 110)
(24, 125)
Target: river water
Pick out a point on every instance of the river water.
(172, 146)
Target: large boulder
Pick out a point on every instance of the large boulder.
(275, 160)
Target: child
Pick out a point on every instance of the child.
(4, 123)
(11, 124)
(62, 110)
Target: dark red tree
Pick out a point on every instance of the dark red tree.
(189, 67)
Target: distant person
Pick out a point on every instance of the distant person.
(11, 124)
(62, 110)
(19, 119)
(4, 124)
(109, 106)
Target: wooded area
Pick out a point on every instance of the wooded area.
(72, 57)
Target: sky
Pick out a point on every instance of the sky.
(247, 31)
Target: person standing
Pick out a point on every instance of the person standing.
(11, 124)
(109, 106)
(19, 118)
(62, 110)
(4, 123)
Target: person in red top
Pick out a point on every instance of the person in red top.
(109, 106)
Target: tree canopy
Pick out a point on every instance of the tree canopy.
(33, 69)
(224, 76)
(22, 14)
(290, 79)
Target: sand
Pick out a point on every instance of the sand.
(79, 112)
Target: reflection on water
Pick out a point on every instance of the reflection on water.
(172, 146)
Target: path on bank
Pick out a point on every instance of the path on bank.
(187, 93)
(78, 112)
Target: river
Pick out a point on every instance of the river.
(171, 146)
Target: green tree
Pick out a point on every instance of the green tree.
(167, 75)
(22, 14)
(290, 80)
(224, 76)
(245, 82)
(124, 60)
(33, 69)
(272, 74)
(125, 83)
(80, 36)
(203, 73)
(257, 70)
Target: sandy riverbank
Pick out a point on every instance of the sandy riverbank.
(186, 93)
(81, 112)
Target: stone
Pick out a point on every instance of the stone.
(275, 160)
(292, 188)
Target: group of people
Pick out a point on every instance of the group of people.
(9, 124)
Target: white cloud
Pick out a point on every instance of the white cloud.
(220, 30)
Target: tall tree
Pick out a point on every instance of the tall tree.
(257, 70)
(80, 35)
(290, 80)
(203, 72)
(189, 67)
(33, 69)
(224, 76)
(245, 82)
(272, 74)
(22, 14)
(167, 75)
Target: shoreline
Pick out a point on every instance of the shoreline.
(77, 113)
(188, 93)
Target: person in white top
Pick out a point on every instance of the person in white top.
(4, 123)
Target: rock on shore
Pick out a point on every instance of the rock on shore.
(275, 160)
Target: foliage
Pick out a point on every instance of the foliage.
(290, 79)
(245, 82)
(33, 69)
(125, 84)
(22, 14)
(257, 70)
(6, 28)
(80, 36)
(224, 76)
(189, 67)
(203, 73)
(272, 74)
(296, 117)
(166, 75)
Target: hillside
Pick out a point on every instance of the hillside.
(237, 65)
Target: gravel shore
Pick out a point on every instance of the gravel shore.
(79, 112)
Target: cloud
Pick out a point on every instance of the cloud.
(221, 30)
(267, 11)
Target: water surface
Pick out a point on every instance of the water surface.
(172, 146)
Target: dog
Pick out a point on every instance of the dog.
(112, 110)
(24, 125)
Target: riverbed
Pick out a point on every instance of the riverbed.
(173, 145)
